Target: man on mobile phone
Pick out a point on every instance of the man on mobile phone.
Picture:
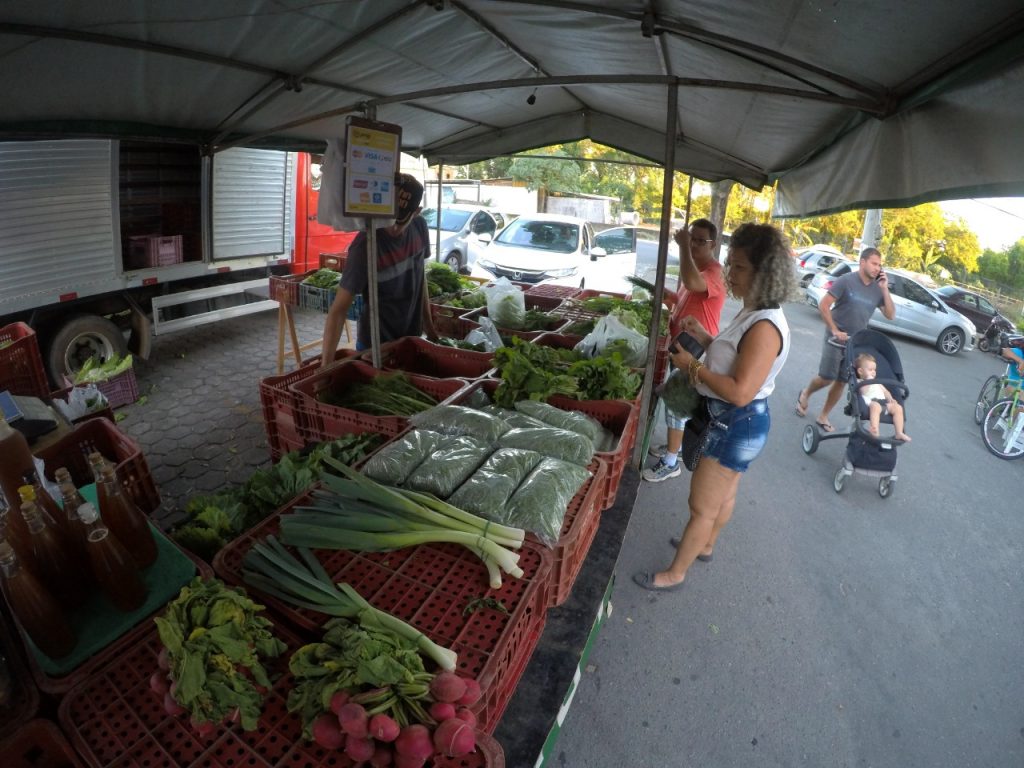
(701, 295)
(846, 309)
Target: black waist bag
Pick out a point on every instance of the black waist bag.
(696, 434)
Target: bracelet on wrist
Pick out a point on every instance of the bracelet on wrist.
(694, 370)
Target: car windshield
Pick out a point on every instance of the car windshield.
(947, 291)
(452, 219)
(558, 236)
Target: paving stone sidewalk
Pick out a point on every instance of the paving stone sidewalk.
(199, 419)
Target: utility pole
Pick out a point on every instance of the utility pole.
(872, 234)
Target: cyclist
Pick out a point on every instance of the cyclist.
(1015, 371)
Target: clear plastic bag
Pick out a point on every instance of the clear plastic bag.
(393, 463)
(486, 335)
(449, 466)
(574, 421)
(459, 420)
(514, 419)
(488, 489)
(540, 502)
(551, 441)
(609, 329)
(506, 304)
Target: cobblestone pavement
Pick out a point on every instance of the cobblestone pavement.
(199, 419)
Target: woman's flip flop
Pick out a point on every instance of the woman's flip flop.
(825, 426)
(801, 409)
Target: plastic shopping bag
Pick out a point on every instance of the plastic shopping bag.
(506, 304)
(609, 329)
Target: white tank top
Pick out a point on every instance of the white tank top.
(724, 348)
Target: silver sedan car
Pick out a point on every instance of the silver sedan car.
(920, 313)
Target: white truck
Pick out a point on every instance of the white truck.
(102, 237)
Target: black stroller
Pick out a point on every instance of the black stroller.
(866, 454)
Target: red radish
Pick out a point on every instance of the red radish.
(464, 713)
(353, 720)
(163, 660)
(455, 738)
(158, 682)
(171, 707)
(358, 749)
(203, 729)
(447, 686)
(383, 728)
(409, 761)
(472, 694)
(382, 757)
(414, 741)
(442, 710)
(327, 733)
(338, 700)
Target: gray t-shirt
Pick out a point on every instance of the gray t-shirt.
(854, 302)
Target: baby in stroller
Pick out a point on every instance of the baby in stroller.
(877, 398)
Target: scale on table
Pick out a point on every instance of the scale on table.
(29, 415)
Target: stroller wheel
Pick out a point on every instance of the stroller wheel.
(839, 480)
(810, 439)
(886, 486)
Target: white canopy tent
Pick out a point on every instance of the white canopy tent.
(846, 105)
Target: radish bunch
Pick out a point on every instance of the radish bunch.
(371, 737)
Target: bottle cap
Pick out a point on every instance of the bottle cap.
(6, 551)
(87, 513)
(27, 493)
(61, 475)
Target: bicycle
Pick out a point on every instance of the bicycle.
(1002, 427)
(995, 388)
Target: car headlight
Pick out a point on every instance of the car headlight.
(486, 264)
(566, 272)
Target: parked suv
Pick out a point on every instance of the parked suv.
(813, 260)
(461, 228)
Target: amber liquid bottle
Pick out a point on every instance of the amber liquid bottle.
(16, 535)
(124, 519)
(35, 608)
(15, 461)
(55, 567)
(54, 517)
(113, 568)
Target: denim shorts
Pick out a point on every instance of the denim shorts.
(739, 433)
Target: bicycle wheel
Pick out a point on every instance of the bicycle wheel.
(986, 397)
(1002, 429)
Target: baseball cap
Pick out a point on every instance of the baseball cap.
(409, 193)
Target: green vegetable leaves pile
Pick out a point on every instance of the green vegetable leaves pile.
(390, 394)
(93, 370)
(217, 645)
(442, 280)
(323, 278)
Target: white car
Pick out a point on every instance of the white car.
(538, 247)
(815, 259)
(461, 229)
(920, 313)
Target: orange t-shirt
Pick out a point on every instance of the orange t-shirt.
(705, 306)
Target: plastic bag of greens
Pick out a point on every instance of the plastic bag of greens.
(393, 463)
(551, 441)
(449, 466)
(486, 335)
(609, 329)
(488, 489)
(575, 421)
(678, 394)
(514, 419)
(459, 420)
(540, 502)
(480, 400)
(506, 304)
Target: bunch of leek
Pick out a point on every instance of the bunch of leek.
(356, 513)
(273, 570)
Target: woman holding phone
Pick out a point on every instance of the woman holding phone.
(737, 375)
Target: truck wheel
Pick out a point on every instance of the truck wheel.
(80, 338)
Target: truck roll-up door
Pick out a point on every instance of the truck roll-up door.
(253, 203)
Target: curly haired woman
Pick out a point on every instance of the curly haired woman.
(737, 377)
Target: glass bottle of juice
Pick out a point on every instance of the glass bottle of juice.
(15, 461)
(35, 608)
(54, 517)
(97, 461)
(124, 519)
(113, 568)
(16, 535)
(55, 566)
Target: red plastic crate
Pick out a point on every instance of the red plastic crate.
(21, 365)
(554, 291)
(38, 744)
(100, 434)
(415, 355)
(429, 586)
(115, 720)
(123, 389)
(335, 261)
(452, 321)
(24, 701)
(280, 408)
(556, 323)
(154, 251)
(65, 393)
(285, 288)
(321, 422)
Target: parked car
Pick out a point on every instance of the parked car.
(976, 308)
(540, 247)
(920, 312)
(815, 259)
(461, 228)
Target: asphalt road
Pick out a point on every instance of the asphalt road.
(830, 630)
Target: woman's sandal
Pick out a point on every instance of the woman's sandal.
(645, 579)
(801, 409)
(825, 426)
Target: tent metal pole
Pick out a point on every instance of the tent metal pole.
(440, 189)
(371, 277)
(659, 281)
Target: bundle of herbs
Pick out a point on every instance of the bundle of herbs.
(389, 394)
(353, 512)
(323, 278)
(211, 521)
(443, 280)
(215, 645)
